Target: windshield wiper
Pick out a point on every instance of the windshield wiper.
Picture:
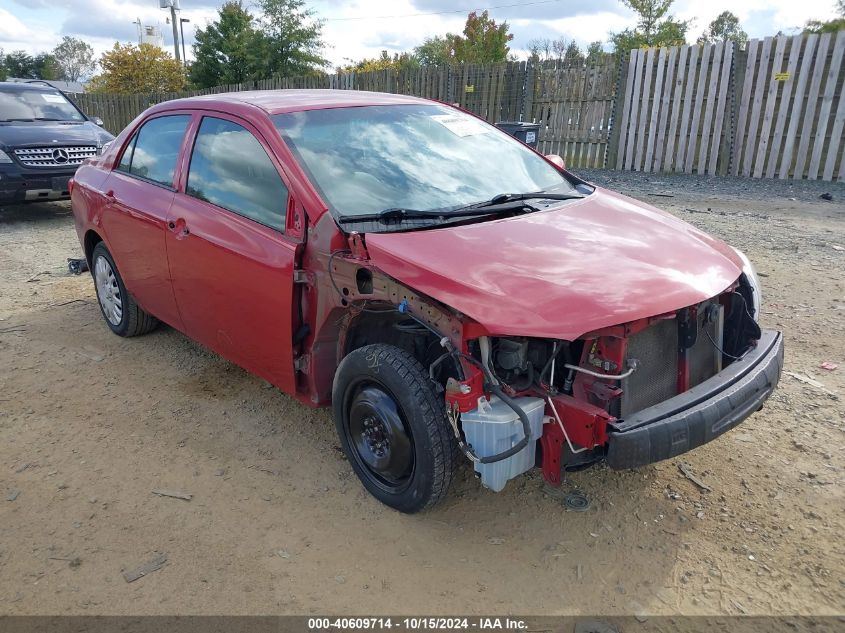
(534, 195)
(511, 201)
(502, 203)
(32, 119)
(394, 214)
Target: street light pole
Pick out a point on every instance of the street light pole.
(182, 31)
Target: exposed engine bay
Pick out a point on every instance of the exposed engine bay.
(568, 394)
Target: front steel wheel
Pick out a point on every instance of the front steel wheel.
(379, 436)
(393, 427)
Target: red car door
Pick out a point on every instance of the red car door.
(230, 260)
(138, 194)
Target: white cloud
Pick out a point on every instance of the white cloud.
(779, 15)
(37, 25)
(16, 35)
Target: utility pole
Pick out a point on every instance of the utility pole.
(175, 31)
(173, 5)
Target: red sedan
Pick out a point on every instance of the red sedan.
(444, 287)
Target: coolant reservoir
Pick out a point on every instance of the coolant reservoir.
(493, 428)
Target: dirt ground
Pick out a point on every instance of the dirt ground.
(90, 424)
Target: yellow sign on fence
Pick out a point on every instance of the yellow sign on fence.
(781, 76)
(469, 88)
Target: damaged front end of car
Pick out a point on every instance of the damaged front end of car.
(636, 393)
(628, 394)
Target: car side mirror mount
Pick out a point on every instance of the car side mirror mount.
(97, 121)
(556, 160)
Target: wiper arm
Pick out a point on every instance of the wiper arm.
(398, 214)
(534, 195)
(16, 119)
(502, 203)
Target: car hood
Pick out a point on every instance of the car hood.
(562, 273)
(23, 134)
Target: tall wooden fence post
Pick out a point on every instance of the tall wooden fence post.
(615, 131)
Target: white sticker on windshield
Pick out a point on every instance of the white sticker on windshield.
(50, 98)
(461, 125)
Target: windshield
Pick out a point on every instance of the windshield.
(423, 157)
(36, 105)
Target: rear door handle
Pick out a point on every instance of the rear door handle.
(179, 227)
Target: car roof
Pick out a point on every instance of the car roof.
(20, 86)
(281, 101)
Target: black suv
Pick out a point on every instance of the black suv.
(44, 137)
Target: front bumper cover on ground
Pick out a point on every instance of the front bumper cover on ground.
(701, 414)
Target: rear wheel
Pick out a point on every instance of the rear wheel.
(393, 427)
(122, 314)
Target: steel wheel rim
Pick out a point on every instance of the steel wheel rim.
(108, 291)
(378, 437)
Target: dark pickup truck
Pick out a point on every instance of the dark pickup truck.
(44, 137)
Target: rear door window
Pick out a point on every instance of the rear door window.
(154, 150)
(231, 169)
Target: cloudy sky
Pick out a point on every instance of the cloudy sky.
(361, 28)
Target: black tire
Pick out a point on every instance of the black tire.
(387, 386)
(132, 321)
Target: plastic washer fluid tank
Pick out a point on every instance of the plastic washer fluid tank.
(494, 427)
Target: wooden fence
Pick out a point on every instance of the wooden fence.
(574, 107)
(776, 109)
(495, 92)
(792, 109)
(673, 110)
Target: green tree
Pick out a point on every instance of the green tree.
(20, 64)
(725, 28)
(655, 27)
(227, 50)
(385, 61)
(47, 67)
(573, 56)
(829, 26)
(75, 58)
(483, 41)
(129, 69)
(435, 51)
(595, 53)
(2, 65)
(291, 41)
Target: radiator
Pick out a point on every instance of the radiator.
(656, 350)
(656, 378)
